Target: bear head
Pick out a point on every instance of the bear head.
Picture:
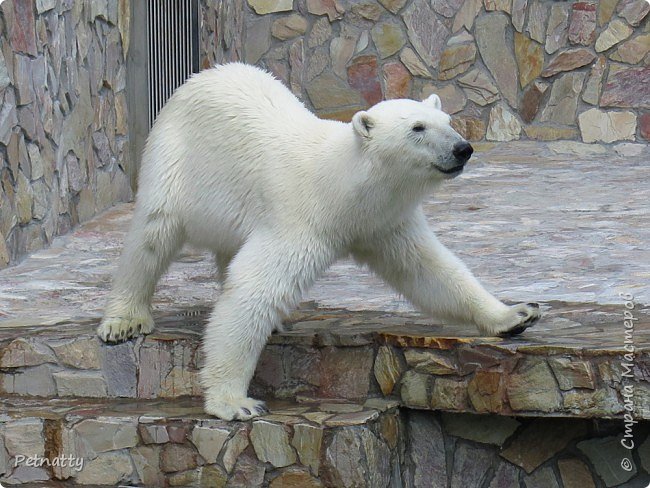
(412, 139)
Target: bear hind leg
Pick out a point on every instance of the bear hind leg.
(265, 279)
(222, 258)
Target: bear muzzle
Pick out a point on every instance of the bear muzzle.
(462, 151)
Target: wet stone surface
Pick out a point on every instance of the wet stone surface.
(503, 218)
(534, 221)
(354, 339)
(570, 364)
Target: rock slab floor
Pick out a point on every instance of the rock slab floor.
(552, 221)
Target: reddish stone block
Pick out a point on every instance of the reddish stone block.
(584, 6)
(582, 26)
(471, 128)
(644, 125)
(568, 60)
(362, 76)
(178, 433)
(397, 80)
(345, 373)
(627, 88)
(22, 33)
(176, 457)
(487, 392)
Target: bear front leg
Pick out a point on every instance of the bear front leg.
(412, 260)
(150, 245)
(265, 280)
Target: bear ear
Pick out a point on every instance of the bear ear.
(433, 100)
(362, 123)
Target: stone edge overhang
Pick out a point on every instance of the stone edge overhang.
(399, 358)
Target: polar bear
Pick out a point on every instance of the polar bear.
(236, 164)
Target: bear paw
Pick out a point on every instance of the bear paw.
(235, 408)
(120, 329)
(522, 316)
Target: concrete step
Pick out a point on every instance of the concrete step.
(161, 443)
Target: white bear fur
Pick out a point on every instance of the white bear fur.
(235, 163)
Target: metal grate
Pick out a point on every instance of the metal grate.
(173, 31)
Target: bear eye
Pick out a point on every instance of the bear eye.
(418, 128)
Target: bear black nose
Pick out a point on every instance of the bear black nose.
(462, 151)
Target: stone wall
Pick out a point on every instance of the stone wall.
(63, 122)
(221, 34)
(507, 69)
(132, 412)
(326, 444)
(496, 451)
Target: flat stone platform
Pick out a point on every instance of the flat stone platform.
(560, 221)
(358, 383)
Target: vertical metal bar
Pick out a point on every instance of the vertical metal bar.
(195, 35)
(161, 57)
(159, 41)
(186, 22)
(165, 57)
(160, 46)
(156, 55)
(152, 95)
(186, 47)
(153, 65)
(177, 44)
(149, 63)
(182, 41)
(190, 26)
(172, 51)
(173, 48)
(173, 15)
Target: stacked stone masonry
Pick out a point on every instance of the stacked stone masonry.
(329, 353)
(316, 444)
(63, 118)
(506, 69)
(367, 399)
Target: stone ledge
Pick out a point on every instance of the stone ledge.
(314, 444)
(162, 443)
(568, 365)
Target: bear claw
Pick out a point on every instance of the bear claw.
(515, 330)
(262, 409)
(528, 313)
(235, 408)
(114, 330)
